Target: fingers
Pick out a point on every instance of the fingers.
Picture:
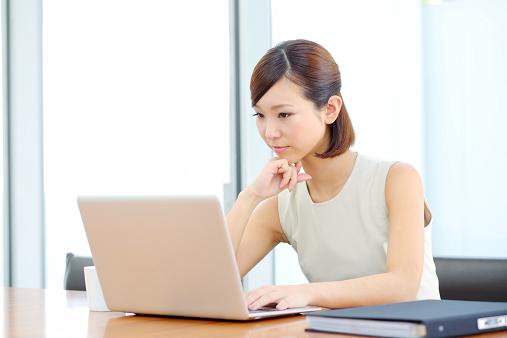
(287, 175)
(264, 297)
(290, 174)
(284, 296)
(280, 166)
(282, 305)
(298, 165)
(303, 177)
(254, 295)
(264, 300)
(293, 179)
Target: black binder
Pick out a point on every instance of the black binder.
(424, 318)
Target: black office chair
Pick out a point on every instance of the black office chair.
(74, 274)
(472, 278)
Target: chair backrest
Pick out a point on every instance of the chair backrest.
(472, 278)
(74, 274)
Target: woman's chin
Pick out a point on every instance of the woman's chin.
(291, 156)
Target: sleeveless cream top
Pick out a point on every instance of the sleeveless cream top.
(346, 237)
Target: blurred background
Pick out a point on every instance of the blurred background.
(152, 97)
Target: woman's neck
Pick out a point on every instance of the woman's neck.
(329, 174)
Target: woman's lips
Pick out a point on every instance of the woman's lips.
(280, 150)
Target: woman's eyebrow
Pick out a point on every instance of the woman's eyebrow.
(278, 106)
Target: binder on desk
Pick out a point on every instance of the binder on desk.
(424, 318)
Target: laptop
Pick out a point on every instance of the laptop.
(167, 255)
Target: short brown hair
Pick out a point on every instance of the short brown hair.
(311, 67)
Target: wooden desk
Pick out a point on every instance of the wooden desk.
(58, 313)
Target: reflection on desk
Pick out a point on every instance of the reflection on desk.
(59, 313)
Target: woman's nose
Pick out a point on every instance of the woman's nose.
(272, 131)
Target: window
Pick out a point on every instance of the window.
(136, 101)
(465, 115)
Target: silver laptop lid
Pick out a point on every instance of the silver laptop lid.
(164, 255)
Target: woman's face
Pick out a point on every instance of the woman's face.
(289, 123)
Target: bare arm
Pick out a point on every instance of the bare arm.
(262, 233)
(238, 216)
(254, 225)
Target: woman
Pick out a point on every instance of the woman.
(358, 224)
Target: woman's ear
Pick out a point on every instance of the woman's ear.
(332, 109)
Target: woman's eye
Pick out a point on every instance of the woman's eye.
(258, 115)
(284, 115)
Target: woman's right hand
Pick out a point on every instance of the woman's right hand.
(277, 176)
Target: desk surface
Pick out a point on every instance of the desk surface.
(58, 313)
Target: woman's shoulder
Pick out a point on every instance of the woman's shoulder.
(393, 167)
(368, 168)
(374, 160)
(387, 172)
(403, 174)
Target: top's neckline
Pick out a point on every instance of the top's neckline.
(342, 190)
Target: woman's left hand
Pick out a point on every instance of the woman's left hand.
(285, 296)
